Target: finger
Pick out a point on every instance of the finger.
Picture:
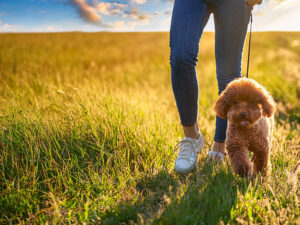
(250, 2)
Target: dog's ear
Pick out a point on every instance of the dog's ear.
(222, 105)
(268, 104)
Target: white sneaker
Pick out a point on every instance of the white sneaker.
(187, 157)
(215, 156)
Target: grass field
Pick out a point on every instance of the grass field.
(88, 123)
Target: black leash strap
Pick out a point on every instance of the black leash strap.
(249, 45)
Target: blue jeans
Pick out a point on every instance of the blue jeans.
(189, 18)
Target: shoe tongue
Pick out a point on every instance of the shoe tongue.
(190, 139)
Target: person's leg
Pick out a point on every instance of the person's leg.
(188, 21)
(231, 21)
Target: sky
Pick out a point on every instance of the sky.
(121, 15)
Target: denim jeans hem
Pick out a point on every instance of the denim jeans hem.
(219, 140)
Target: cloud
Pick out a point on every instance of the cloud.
(283, 3)
(134, 12)
(128, 11)
(143, 16)
(9, 27)
(104, 8)
(278, 19)
(139, 1)
(119, 25)
(137, 15)
(50, 28)
(273, 5)
(107, 8)
(168, 1)
(166, 12)
(87, 11)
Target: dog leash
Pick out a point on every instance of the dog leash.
(249, 46)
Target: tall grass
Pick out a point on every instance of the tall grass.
(88, 123)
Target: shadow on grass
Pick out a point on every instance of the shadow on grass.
(154, 190)
(208, 201)
(203, 197)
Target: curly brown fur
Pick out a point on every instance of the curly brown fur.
(249, 109)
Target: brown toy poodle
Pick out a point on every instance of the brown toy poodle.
(249, 109)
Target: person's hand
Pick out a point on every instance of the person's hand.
(253, 2)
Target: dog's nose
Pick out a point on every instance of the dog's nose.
(243, 114)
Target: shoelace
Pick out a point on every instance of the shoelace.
(184, 154)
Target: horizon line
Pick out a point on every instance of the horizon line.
(76, 31)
